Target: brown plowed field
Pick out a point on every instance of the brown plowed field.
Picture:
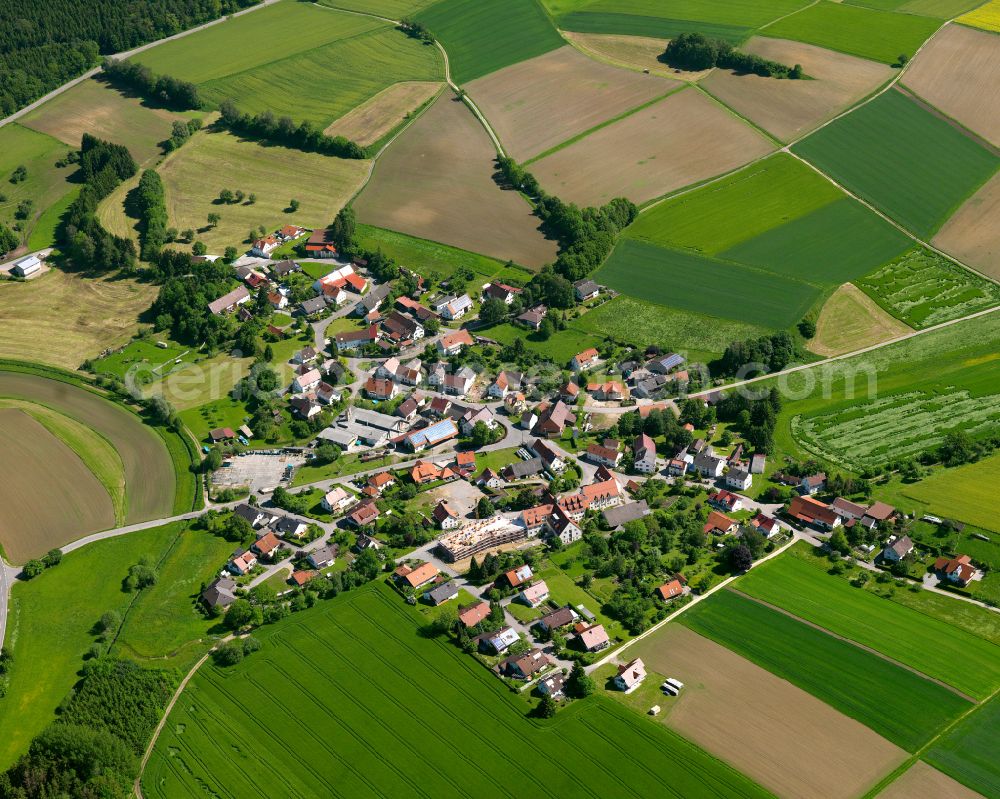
(784, 738)
(923, 780)
(789, 108)
(540, 103)
(972, 234)
(681, 140)
(435, 182)
(958, 71)
(49, 495)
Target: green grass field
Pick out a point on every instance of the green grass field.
(933, 647)
(353, 693)
(878, 35)
(968, 752)
(897, 401)
(914, 166)
(716, 217)
(943, 9)
(924, 289)
(45, 184)
(909, 711)
(483, 37)
(706, 286)
(560, 347)
(832, 245)
(393, 9)
(49, 628)
(966, 493)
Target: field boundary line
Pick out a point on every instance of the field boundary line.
(766, 25)
(851, 641)
(778, 143)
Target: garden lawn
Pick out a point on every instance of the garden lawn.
(910, 710)
(225, 412)
(565, 591)
(49, 628)
(343, 466)
(933, 647)
(968, 752)
(366, 689)
(878, 35)
(924, 289)
(706, 285)
(483, 37)
(914, 166)
(560, 347)
(720, 215)
(831, 245)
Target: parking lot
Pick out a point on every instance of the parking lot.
(255, 470)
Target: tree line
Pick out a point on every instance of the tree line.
(695, 51)
(284, 130)
(180, 95)
(151, 206)
(43, 45)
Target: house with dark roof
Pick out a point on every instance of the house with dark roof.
(442, 593)
(220, 593)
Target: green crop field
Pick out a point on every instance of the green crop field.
(351, 70)
(49, 628)
(716, 217)
(705, 285)
(966, 493)
(909, 711)
(969, 751)
(393, 9)
(943, 9)
(933, 647)
(878, 35)
(924, 289)
(483, 37)
(357, 699)
(832, 245)
(913, 165)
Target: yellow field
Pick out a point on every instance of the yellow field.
(986, 17)
(850, 320)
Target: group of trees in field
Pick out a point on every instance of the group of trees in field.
(284, 130)
(187, 288)
(43, 45)
(771, 353)
(151, 208)
(103, 166)
(696, 51)
(166, 90)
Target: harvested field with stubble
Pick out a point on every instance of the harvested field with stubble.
(850, 320)
(790, 108)
(760, 723)
(631, 52)
(923, 780)
(435, 182)
(958, 71)
(681, 140)
(49, 495)
(964, 235)
(537, 104)
(376, 117)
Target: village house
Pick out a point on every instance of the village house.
(381, 389)
(707, 464)
(812, 484)
(606, 454)
(445, 516)
(324, 557)
(454, 343)
(364, 514)
(586, 290)
(496, 643)
(557, 619)
(739, 479)
(336, 500)
(489, 479)
(442, 593)
(352, 339)
(372, 300)
(263, 247)
(256, 516)
(561, 525)
(765, 525)
(465, 464)
(526, 666)
(505, 383)
(459, 383)
(306, 382)
(534, 594)
(553, 461)
(553, 685)
(533, 317)
(320, 244)
(472, 417)
(242, 563)
(553, 418)
(472, 615)
(569, 393)
(228, 303)
(426, 472)
(592, 638)
(500, 291)
(630, 675)
(726, 501)
(670, 590)
(604, 494)
(221, 593)
(813, 512)
(454, 308)
(584, 360)
(611, 391)
(621, 515)
(312, 306)
(897, 548)
(958, 570)
(415, 577)
(719, 524)
(644, 454)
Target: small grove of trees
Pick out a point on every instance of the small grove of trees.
(19, 175)
(150, 202)
(177, 94)
(181, 131)
(232, 652)
(8, 239)
(140, 575)
(284, 130)
(36, 566)
(773, 353)
(695, 51)
(416, 30)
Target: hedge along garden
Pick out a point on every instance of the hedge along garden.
(912, 165)
(348, 698)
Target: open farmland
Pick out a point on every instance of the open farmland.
(378, 116)
(986, 17)
(968, 751)
(910, 710)
(835, 243)
(760, 723)
(357, 717)
(678, 141)
(965, 492)
(789, 108)
(932, 647)
(724, 19)
(877, 35)
(924, 289)
(958, 72)
(49, 495)
(632, 52)
(921, 779)
(537, 104)
(483, 37)
(393, 9)
(351, 71)
(435, 182)
(194, 175)
(913, 165)
(94, 313)
(705, 285)
(942, 9)
(150, 479)
(95, 107)
(720, 215)
(45, 184)
(966, 237)
(850, 320)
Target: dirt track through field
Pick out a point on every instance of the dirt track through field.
(49, 495)
(784, 738)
